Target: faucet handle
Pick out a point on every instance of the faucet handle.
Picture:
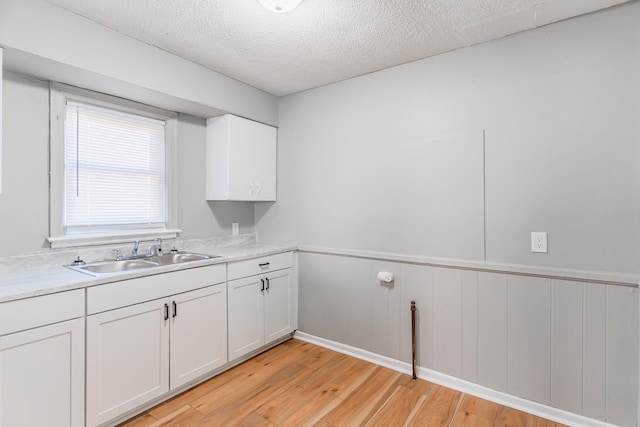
(136, 244)
(117, 254)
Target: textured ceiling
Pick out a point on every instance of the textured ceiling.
(321, 41)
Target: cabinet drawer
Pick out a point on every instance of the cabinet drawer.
(133, 291)
(39, 311)
(260, 265)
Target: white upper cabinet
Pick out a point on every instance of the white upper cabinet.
(241, 159)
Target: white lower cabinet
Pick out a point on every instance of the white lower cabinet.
(198, 334)
(278, 307)
(138, 353)
(42, 361)
(127, 359)
(260, 310)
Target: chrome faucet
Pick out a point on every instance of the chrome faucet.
(158, 243)
(156, 248)
(134, 251)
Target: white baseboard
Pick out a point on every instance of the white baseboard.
(537, 409)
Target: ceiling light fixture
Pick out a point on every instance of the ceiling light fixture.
(280, 6)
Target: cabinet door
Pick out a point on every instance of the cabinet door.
(241, 159)
(252, 160)
(42, 376)
(263, 172)
(245, 316)
(242, 139)
(278, 305)
(127, 359)
(198, 333)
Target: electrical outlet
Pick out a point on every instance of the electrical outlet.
(235, 229)
(539, 241)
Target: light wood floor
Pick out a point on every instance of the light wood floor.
(299, 384)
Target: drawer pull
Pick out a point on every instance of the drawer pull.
(166, 311)
(175, 309)
(267, 279)
(262, 290)
(264, 264)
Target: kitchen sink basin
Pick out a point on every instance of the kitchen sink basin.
(177, 258)
(105, 267)
(119, 266)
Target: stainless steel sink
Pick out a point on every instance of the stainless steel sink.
(104, 267)
(108, 267)
(177, 258)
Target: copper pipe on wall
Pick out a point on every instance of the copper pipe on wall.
(413, 337)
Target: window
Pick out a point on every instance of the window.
(110, 167)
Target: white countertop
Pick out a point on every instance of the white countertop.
(29, 281)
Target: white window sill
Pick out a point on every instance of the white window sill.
(92, 240)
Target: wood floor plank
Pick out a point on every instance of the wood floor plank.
(143, 420)
(360, 405)
(299, 384)
(184, 417)
(280, 407)
(397, 409)
(244, 385)
(247, 368)
(541, 422)
(478, 407)
(438, 409)
(244, 406)
(420, 386)
(317, 357)
(235, 400)
(463, 419)
(509, 417)
(256, 420)
(344, 385)
(313, 411)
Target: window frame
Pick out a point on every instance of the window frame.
(59, 95)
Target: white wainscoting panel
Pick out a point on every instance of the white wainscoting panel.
(594, 351)
(529, 338)
(470, 325)
(447, 321)
(563, 344)
(622, 355)
(357, 302)
(492, 330)
(566, 345)
(385, 310)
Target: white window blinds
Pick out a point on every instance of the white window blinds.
(114, 168)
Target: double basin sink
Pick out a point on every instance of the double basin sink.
(107, 267)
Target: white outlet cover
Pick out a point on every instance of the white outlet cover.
(235, 229)
(539, 241)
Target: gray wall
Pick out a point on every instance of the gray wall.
(360, 166)
(462, 156)
(24, 202)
